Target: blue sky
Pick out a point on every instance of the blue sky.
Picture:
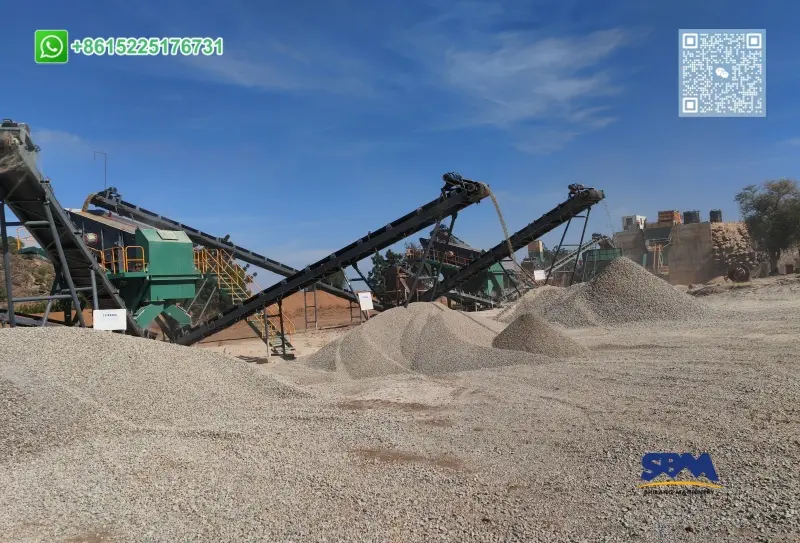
(324, 120)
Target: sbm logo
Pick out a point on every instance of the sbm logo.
(672, 464)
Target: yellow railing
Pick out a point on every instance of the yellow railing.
(235, 281)
(448, 257)
(121, 259)
(22, 240)
(275, 323)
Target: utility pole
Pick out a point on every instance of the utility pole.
(105, 167)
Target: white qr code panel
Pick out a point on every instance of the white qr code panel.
(723, 73)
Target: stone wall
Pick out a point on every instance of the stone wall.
(632, 244)
(690, 254)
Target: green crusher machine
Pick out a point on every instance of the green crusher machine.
(155, 274)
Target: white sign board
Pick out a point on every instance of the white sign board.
(539, 275)
(109, 319)
(365, 301)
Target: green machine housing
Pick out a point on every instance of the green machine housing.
(159, 273)
(488, 283)
(597, 260)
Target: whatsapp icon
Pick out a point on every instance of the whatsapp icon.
(51, 46)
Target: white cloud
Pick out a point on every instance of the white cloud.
(282, 72)
(792, 142)
(517, 79)
(554, 76)
(59, 141)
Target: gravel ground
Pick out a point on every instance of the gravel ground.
(109, 438)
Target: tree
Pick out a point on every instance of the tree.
(411, 246)
(380, 264)
(772, 215)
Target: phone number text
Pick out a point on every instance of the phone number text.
(148, 47)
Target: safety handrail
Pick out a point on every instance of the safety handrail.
(99, 256)
(122, 259)
(448, 257)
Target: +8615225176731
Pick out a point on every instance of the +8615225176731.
(55, 46)
(143, 46)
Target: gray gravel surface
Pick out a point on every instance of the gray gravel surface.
(107, 438)
(531, 333)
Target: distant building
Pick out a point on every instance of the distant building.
(633, 222)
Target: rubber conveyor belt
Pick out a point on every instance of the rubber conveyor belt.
(110, 200)
(576, 204)
(30, 197)
(454, 198)
(561, 262)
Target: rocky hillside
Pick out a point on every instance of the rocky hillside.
(30, 276)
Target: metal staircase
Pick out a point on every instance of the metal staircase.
(233, 282)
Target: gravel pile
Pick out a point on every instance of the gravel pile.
(624, 293)
(56, 383)
(424, 338)
(531, 333)
(532, 301)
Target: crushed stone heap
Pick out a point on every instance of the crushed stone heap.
(531, 333)
(60, 384)
(624, 293)
(426, 338)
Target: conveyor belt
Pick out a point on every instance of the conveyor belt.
(30, 197)
(561, 262)
(464, 297)
(110, 199)
(457, 194)
(26, 320)
(577, 203)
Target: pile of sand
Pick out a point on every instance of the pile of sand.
(531, 333)
(624, 293)
(425, 337)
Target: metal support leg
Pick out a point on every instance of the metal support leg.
(555, 253)
(446, 245)
(510, 280)
(316, 314)
(200, 318)
(12, 320)
(266, 335)
(283, 332)
(53, 289)
(364, 278)
(64, 268)
(425, 254)
(68, 312)
(199, 291)
(350, 286)
(305, 308)
(580, 244)
(95, 302)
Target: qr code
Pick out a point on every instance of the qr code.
(723, 73)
